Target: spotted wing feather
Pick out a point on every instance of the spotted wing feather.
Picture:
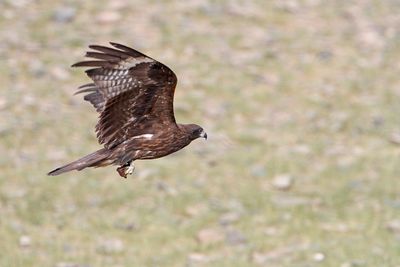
(131, 91)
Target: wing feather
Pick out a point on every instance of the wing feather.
(132, 92)
(109, 51)
(132, 52)
(107, 57)
(92, 63)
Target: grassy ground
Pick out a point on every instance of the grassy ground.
(300, 100)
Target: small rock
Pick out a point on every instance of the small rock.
(25, 241)
(12, 192)
(165, 187)
(378, 121)
(258, 258)
(210, 236)
(318, 257)
(346, 161)
(117, 4)
(67, 248)
(19, 3)
(301, 149)
(261, 258)
(56, 155)
(370, 38)
(282, 182)
(70, 264)
(325, 55)
(271, 231)
(393, 226)
(111, 246)
(290, 201)
(258, 171)
(235, 205)
(354, 263)
(59, 73)
(290, 6)
(337, 227)
(234, 237)
(395, 138)
(195, 210)
(130, 226)
(29, 100)
(17, 226)
(195, 258)
(229, 218)
(64, 14)
(145, 173)
(108, 17)
(36, 68)
(3, 103)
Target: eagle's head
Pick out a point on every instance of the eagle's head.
(195, 131)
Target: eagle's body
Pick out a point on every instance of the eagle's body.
(134, 95)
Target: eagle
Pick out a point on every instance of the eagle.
(134, 95)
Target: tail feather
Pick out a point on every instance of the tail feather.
(94, 159)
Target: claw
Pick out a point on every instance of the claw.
(126, 169)
(130, 169)
(121, 171)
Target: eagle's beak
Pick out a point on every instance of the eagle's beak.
(203, 134)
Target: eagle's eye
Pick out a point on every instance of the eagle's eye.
(199, 132)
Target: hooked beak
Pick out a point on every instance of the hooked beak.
(203, 134)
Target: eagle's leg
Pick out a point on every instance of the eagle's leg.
(126, 169)
(130, 168)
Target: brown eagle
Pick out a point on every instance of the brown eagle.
(134, 95)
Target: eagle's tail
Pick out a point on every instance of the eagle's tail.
(95, 159)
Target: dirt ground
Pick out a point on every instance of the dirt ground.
(301, 103)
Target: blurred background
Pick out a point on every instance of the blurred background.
(300, 100)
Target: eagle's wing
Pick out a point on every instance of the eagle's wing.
(133, 92)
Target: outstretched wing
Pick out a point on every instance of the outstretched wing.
(133, 92)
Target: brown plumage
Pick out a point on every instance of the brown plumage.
(134, 95)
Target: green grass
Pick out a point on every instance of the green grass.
(305, 88)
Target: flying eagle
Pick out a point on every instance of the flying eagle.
(134, 95)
